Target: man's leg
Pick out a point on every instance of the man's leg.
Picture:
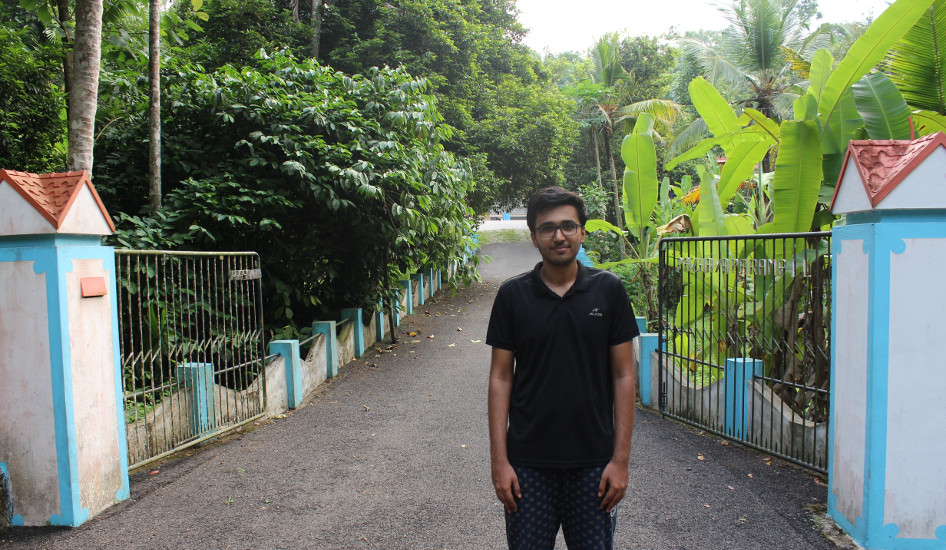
(585, 524)
(534, 525)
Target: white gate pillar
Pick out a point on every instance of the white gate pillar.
(887, 485)
(63, 452)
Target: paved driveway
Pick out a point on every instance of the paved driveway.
(393, 454)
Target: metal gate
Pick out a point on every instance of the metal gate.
(191, 346)
(744, 339)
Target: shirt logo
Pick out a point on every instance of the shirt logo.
(596, 312)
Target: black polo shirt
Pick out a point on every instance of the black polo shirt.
(561, 412)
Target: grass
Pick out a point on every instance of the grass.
(503, 236)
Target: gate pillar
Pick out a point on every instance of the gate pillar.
(63, 452)
(886, 485)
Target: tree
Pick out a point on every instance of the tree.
(341, 183)
(916, 66)
(749, 60)
(84, 83)
(154, 106)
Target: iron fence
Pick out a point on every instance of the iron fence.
(191, 346)
(744, 339)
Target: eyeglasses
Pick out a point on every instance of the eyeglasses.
(547, 230)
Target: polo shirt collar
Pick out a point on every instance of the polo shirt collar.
(582, 281)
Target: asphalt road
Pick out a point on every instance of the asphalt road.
(393, 454)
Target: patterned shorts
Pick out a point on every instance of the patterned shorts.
(560, 497)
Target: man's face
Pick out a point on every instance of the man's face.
(550, 237)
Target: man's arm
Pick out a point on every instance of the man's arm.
(615, 477)
(500, 391)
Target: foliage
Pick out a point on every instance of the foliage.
(340, 183)
(31, 122)
(486, 82)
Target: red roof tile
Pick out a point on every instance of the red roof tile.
(53, 194)
(883, 164)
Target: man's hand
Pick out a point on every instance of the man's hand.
(613, 485)
(507, 485)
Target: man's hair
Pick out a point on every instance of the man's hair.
(553, 197)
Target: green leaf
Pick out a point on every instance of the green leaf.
(797, 176)
(640, 181)
(806, 107)
(820, 70)
(711, 221)
(882, 107)
(916, 63)
(770, 126)
(715, 110)
(601, 225)
(928, 122)
(740, 166)
(868, 50)
(842, 127)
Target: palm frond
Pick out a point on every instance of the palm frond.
(692, 134)
(917, 64)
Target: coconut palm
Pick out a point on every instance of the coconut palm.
(750, 62)
(916, 66)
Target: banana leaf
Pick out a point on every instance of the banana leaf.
(882, 107)
(740, 165)
(640, 180)
(868, 50)
(821, 65)
(715, 110)
(928, 122)
(798, 176)
(711, 223)
(764, 122)
(842, 126)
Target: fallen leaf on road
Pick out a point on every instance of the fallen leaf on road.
(476, 341)
(367, 408)
(750, 475)
(451, 345)
(463, 446)
(459, 329)
(700, 457)
(154, 472)
(431, 336)
(412, 334)
(731, 488)
(415, 341)
(707, 506)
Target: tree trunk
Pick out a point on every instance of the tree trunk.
(84, 85)
(154, 107)
(594, 139)
(65, 22)
(318, 14)
(618, 211)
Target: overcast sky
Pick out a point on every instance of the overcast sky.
(563, 25)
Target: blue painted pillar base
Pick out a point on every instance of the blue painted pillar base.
(431, 282)
(584, 258)
(419, 277)
(327, 328)
(198, 379)
(289, 350)
(409, 293)
(379, 325)
(739, 374)
(648, 345)
(359, 328)
(641, 324)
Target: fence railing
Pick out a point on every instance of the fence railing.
(745, 339)
(191, 345)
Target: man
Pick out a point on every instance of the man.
(561, 388)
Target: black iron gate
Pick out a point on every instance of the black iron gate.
(744, 339)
